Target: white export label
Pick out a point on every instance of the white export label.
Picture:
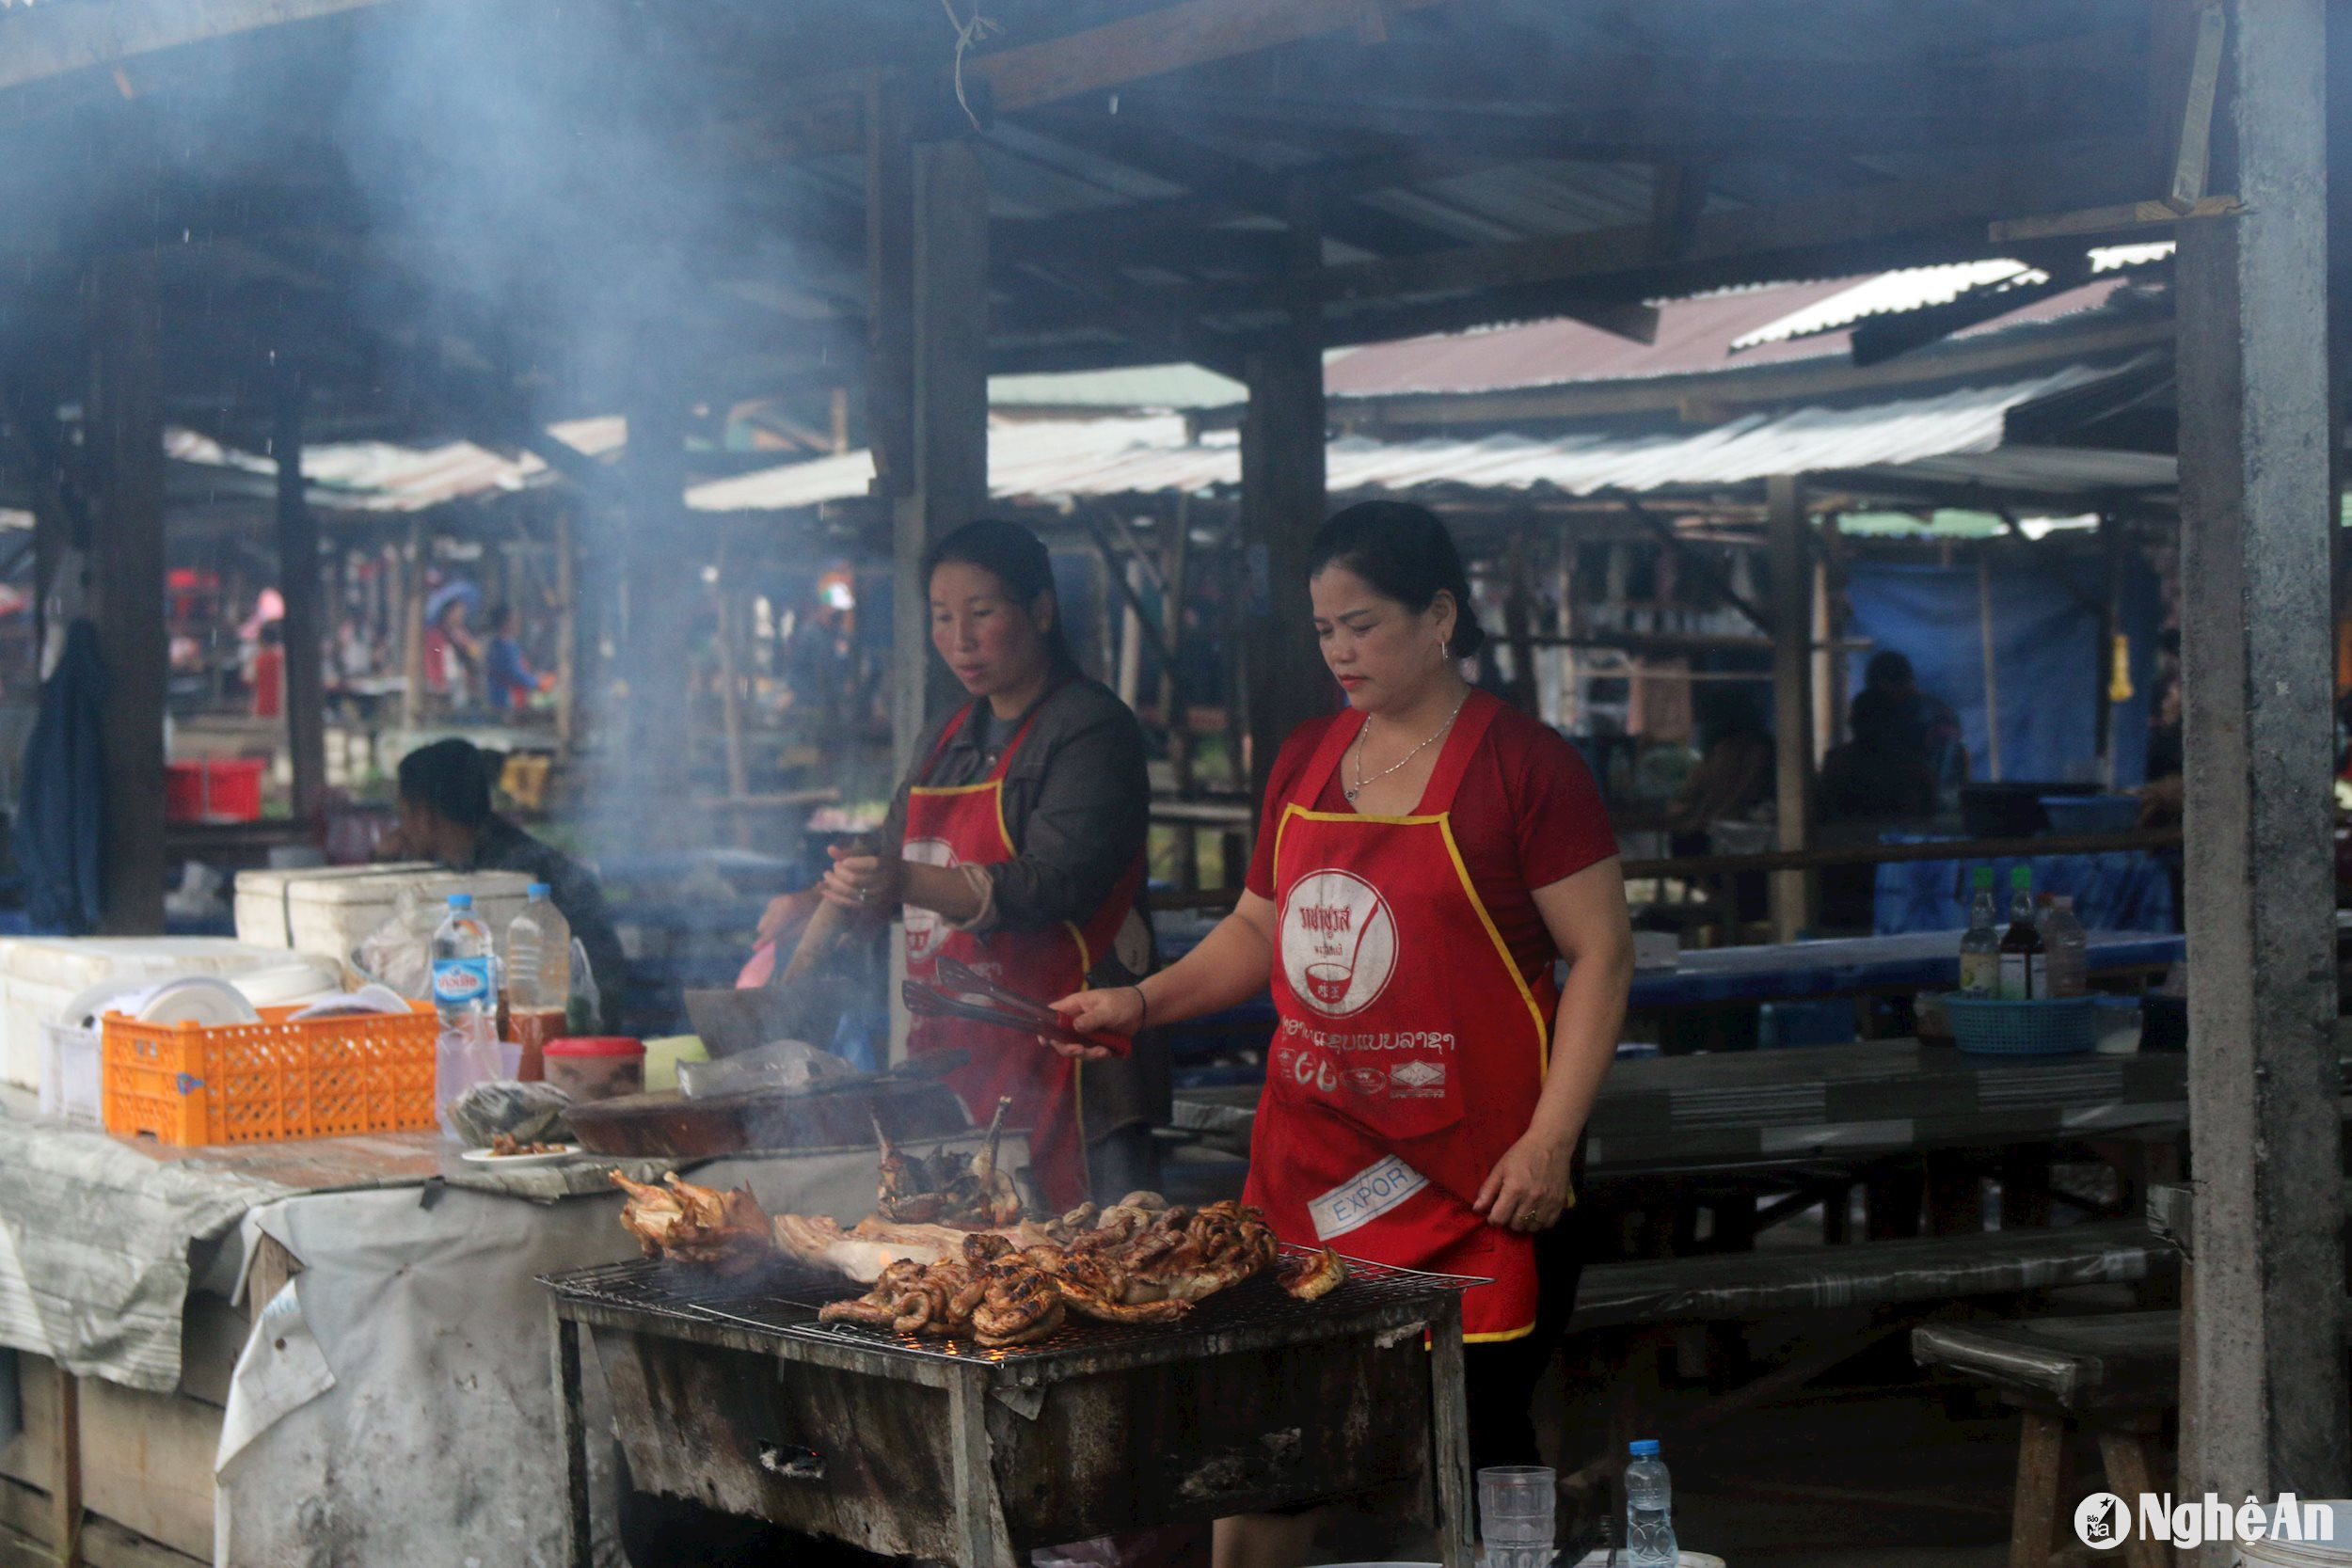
(1364, 1196)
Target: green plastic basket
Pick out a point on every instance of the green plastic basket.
(2059, 1027)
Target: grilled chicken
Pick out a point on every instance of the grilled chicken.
(1313, 1277)
(981, 1196)
(682, 1222)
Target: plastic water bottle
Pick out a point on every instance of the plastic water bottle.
(465, 997)
(1649, 1527)
(2068, 949)
(538, 954)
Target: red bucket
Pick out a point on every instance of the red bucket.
(220, 789)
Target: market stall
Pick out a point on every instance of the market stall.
(392, 1303)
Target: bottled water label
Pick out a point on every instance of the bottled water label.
(1649, 1539)
(1520, 1556)
(459, 981)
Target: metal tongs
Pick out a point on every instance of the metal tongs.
(965, 993)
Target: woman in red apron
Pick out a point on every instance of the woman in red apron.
(1422, 858)
(1016, 846)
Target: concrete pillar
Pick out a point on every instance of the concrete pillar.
(2266, 1369)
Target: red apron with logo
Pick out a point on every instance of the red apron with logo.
(1409, 1052)
(964, 824)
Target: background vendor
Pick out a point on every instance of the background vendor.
(1016, 845)
(445, 818)
(1424, 858)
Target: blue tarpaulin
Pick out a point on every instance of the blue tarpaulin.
(2122, 890)
(2047, 666)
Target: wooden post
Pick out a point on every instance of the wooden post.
(1792, 699)
(1992, 667)
(65, 1492)
(731, 707)
(2102, 659)
(2256, 524)
(1175, 553)
(949, 430)
(1282, 503)
(412, 631)
(1519, 624)
(298, 583)
(1825, 701)
(125, 424)
(1829, 711)
(654, 733)
(1130, 683)
(566, 634)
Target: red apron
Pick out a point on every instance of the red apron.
(964, 824)
(1409, 1052)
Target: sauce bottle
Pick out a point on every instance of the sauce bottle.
(2024, 961)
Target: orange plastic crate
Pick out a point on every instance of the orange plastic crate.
(263, 1083)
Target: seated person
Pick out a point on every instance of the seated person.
(1883, 775)
(1734, 775)
(445, 818)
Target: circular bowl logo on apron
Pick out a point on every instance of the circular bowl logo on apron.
(926, 932)
(1339, 942)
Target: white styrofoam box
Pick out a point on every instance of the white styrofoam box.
(329, 915)
(39, 977)
(264, 912)
(70, 1076)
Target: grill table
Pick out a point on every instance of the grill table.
(732, 1394)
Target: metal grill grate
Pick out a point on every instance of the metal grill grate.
(784, 1301)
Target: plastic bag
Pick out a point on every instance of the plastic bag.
(398, 953)
(533, 1112)
(584, 1012)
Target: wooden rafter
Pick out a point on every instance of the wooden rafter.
(1195, 32)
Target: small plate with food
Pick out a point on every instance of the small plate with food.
(508, 1153)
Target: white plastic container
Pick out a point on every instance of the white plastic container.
(39, 977)
(71, 1082)
(327, 911)
(264, 899)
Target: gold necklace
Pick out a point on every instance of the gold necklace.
(1363, 783)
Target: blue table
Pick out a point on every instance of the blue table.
(1853, 966)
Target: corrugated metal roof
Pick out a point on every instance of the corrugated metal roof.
(1915, 288)
(377, 476)
(1695, 336)
(1142, 386)
(1890, 292)
(1956, 435)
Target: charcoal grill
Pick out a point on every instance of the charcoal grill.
(731, 1393)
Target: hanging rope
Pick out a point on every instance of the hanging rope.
(968, 33)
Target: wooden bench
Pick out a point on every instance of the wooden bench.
(1734, 1286)
(1649, 1303)
(2112, 1376)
